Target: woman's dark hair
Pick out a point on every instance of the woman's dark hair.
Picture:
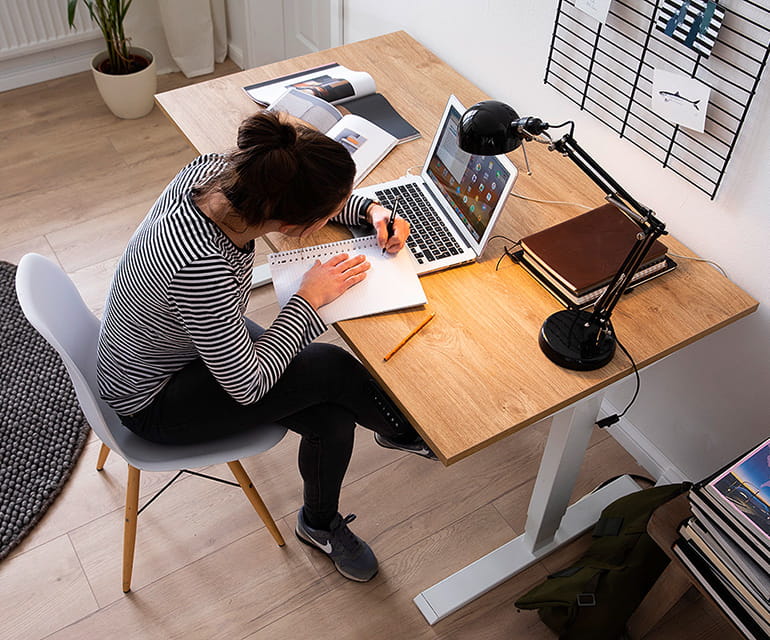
(284, 172)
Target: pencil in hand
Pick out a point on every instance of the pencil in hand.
(409, 336)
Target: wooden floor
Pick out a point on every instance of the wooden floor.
(74, 183)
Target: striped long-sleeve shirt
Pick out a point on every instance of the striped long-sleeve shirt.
(179, 293)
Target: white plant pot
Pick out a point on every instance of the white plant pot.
(128, 96)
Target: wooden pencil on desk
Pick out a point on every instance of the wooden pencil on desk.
(409, 336)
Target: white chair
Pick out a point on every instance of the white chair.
(53, 306)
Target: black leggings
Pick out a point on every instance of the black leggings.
(321, 396)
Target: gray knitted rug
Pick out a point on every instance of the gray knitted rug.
(42, 430)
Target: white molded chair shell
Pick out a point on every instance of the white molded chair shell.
(52, 304)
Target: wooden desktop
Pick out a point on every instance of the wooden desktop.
(476, 374)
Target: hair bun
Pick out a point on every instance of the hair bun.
(266, 131)
(287, 172)
(287, 135)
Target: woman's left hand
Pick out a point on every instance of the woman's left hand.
(378, 216)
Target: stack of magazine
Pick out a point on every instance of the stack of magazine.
(726, 544)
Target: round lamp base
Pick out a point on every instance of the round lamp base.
(570, 339)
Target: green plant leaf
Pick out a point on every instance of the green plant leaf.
(71, 6)
(108, 15)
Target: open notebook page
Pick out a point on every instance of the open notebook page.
(391, 283)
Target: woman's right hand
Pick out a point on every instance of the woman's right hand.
(327, 281)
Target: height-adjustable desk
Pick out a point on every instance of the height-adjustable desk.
(481, 374)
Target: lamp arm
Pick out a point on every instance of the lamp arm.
(568, 146)
(620, 281)
(650, 229)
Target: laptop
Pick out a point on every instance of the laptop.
(454, 203)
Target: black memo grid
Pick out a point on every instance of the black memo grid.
(606, 69)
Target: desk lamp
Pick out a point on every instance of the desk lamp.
(572, 338)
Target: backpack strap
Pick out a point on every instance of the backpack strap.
(587, 598)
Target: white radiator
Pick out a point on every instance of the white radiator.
(32, 26)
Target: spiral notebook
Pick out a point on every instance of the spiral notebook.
(391, 283)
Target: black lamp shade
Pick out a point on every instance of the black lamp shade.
(487, 129)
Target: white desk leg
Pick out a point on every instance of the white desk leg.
(549, 522)
(565, 449)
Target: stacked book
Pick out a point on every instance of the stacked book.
(576, 259)
(726, 544)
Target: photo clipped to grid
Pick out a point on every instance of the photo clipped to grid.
(694, 23)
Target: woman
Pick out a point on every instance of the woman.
(180, 363)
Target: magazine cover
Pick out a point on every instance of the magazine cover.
(744, 489)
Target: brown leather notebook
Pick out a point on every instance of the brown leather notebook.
(586, 251)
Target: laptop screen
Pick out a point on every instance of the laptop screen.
(472, 185)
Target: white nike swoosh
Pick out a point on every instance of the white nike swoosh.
(327, 548)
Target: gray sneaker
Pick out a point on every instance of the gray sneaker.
(417, 446)
(352, 557)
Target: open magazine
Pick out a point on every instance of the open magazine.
(336, 84)
(365, 141)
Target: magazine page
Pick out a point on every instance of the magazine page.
(745, 489)
(333, 83)
(305, 106)
(376, 108)
(366, 142)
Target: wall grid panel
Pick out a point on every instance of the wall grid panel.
(606, 69)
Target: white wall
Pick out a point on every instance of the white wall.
(704, 405)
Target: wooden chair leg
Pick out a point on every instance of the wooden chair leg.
(256, 501)
(103, 453)
(129, 526)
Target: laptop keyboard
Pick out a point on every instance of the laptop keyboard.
(429, 239)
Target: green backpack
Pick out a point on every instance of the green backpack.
(594, 597)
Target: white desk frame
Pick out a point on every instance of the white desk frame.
(550, 523)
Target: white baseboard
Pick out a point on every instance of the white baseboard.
(54, 63)
(49, 64)
(235, 53)
(649, 457)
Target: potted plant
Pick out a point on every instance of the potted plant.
(125, 75)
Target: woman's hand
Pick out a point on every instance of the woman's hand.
(327, 281)
(378, 216)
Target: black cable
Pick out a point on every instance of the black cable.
(615, 417)
(506, 250)
(563, 124)
(515, 242)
